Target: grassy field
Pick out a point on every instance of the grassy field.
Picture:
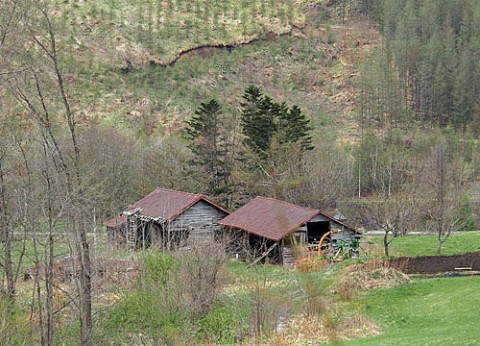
(438, 311)
(425, 245)
(424, 312)
(62, 248)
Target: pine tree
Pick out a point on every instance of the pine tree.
(257, 120)
(263, 119)
(207, 143)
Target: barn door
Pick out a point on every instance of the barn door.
(316, 229)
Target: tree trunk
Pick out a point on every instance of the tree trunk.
(439, 247)
(7, 239)
(386, 243)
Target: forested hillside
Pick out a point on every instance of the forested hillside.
(368, 107)
(385, 92)
(426, 73)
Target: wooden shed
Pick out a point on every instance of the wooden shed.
(273, 229)
(167, 219)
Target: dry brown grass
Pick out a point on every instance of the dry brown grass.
(313, 330)
(371, 275)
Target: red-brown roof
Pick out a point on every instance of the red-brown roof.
(269, 218)
(163, 204)
(115, 221)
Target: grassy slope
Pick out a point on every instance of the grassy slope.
(425, 312)
(149, 30)
(425, 245)
(314, 68)
(302, 71)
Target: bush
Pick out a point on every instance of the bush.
(157, 268)
(222, 325)
(177, 291)
(199, 278)
(465, 216)
(14, 326)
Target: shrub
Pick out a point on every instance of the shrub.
(14, 326)
(157, 268)
(176, 291)
(465, 216)
(199, 277)
(222, 325)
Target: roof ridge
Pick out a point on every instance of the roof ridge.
(198, 196)
(178, 191)
(284, 202)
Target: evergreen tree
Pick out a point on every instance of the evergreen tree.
(295, 127)
(257, 120)
(207, 143)
(263, 119)
(467, 89)
(433, 45)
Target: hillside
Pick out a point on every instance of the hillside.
(366, 109)
(122, 59)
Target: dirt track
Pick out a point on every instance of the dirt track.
(437, 264)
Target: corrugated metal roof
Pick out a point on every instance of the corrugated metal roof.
(115, 221)
(269, 218)
(162, 204)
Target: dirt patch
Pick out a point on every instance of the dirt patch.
(207, 50)
(437, 264)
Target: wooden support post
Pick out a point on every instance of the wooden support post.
(263, 255)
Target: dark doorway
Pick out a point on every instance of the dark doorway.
(316, 229)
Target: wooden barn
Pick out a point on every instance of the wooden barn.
(273, 229)
(167, 219)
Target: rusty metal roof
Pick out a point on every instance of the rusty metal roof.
(269, 218)
(115, 221)
(162, 204)
(168, 204)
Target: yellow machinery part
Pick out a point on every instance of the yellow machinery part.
(320, 243)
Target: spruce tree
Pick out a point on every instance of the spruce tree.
(262, 119)
(206, 142)
(295, 126)
(257, 119)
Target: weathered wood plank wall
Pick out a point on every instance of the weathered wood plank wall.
(201, 220)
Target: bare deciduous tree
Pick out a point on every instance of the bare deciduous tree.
(40, 88)
(394, 215)
(444, 183)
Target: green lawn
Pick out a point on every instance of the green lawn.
(426, 245)
(440, 311)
